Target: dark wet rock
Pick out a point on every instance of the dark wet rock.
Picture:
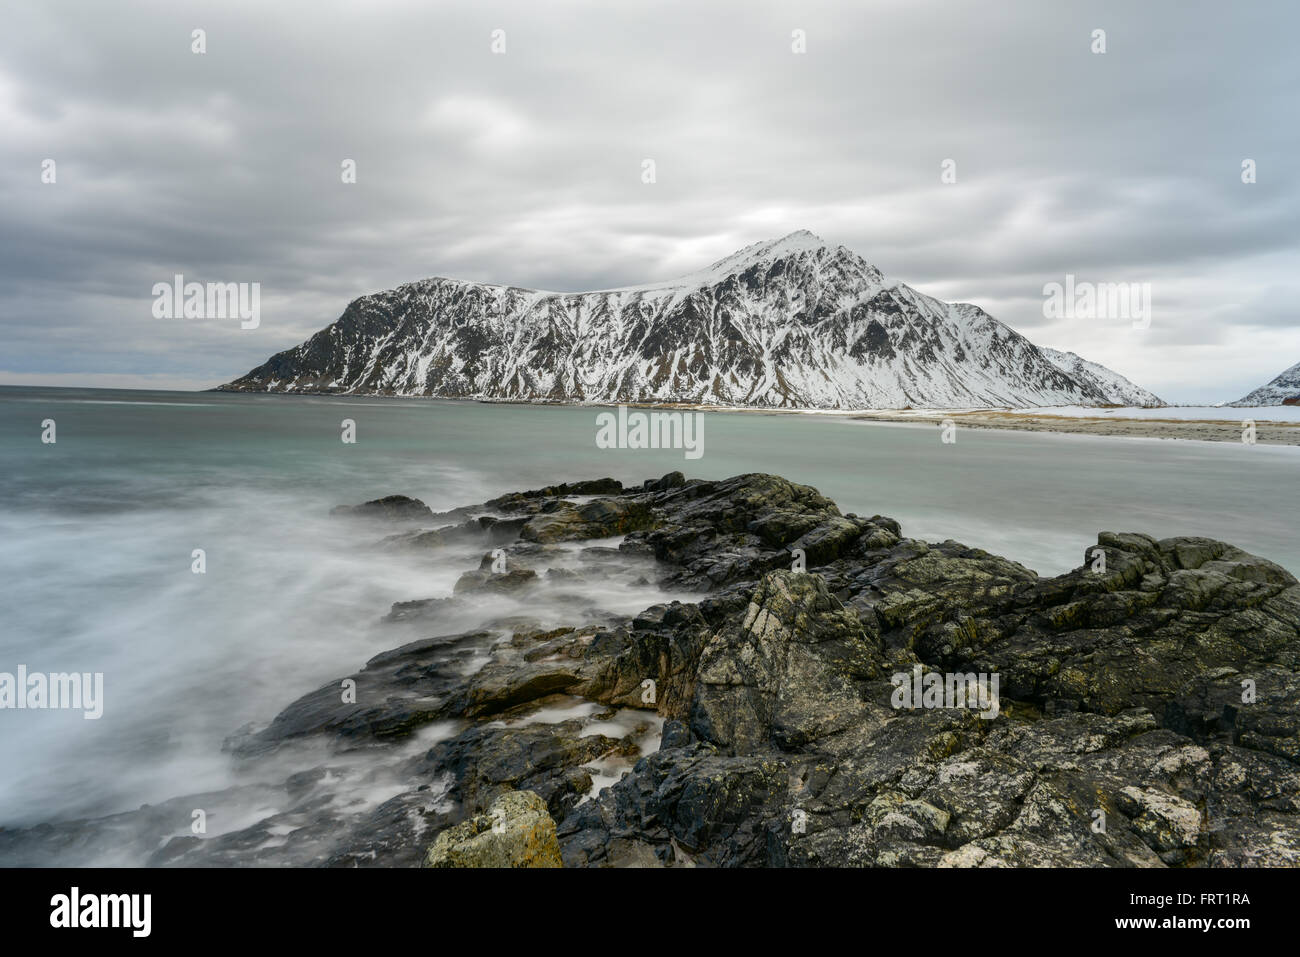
(601, 518)
(499, 685)
(396, 692)
(548, 759)
(1140, 634)
(651, 662)
(670, 481)
(483, 530)
(828, 540)
(391, 508)
(111, 839)
(529, 501)
(1148, 702)
(516, 579)
(416, 609)
(712, 534)
(787, 673)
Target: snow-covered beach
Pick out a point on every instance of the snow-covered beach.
(1271, 425)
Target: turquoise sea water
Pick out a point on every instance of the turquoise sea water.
(97, 532)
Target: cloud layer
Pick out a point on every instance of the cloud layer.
(526, 167)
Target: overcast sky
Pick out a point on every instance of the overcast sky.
(526, 167)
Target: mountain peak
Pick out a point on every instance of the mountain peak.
(802, 237)
(790, 322)
(1284, 389)
(799, 241)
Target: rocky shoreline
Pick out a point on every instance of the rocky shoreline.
(1148, 709)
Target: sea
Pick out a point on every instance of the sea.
(108, 498)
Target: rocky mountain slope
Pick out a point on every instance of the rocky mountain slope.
(1285, 386)
(1118, 389)
(1146, 709)
(793, 322)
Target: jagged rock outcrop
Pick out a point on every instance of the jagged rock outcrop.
(1147, 703)
(392, 508)
(516, 831)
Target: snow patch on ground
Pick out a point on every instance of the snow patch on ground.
(1180, 413)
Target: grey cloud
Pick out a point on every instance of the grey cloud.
(524, 168)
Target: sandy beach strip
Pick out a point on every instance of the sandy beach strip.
(1224, 429)
(1274, 425)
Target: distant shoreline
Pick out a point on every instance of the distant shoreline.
(1224, 427)
(1202, 430)
(1227, 428)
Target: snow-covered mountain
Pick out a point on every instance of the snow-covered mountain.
(1285, 386)
(789, 323)
(1119, 390)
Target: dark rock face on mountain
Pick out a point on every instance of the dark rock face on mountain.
(1283, 390)
(1118, 389)
(1145, 710)
(793, 322)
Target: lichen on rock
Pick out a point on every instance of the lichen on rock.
(516, 831)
